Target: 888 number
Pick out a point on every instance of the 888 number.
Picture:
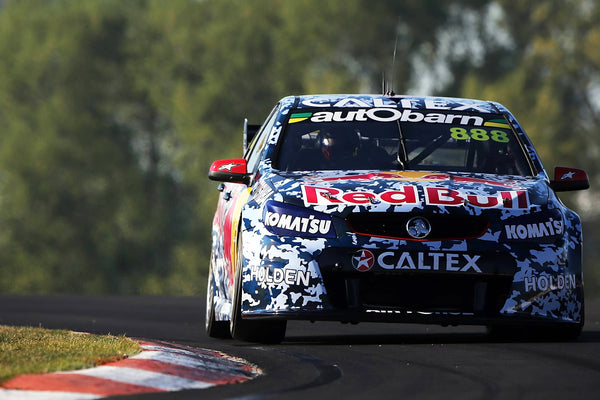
(479, 134)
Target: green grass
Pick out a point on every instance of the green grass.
(25, 350)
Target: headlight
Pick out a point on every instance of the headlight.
(289, 220)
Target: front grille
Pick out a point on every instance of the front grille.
(393, 225)
(443, 293)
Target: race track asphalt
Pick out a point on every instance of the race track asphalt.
(330, 360)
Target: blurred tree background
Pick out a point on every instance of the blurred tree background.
(111, 112)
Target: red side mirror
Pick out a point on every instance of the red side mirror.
(566, 179)
(230, 170)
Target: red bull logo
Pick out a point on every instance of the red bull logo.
(408, 195)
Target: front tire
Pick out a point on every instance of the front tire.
(537, 334)
(264, 331)
(214, 328)
(566, 332)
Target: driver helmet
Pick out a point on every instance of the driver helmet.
(339, 144)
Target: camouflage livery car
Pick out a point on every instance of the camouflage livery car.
(360, 208)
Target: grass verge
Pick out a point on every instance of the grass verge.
(26, 350)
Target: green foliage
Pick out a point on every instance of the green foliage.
(550, 81)
(85, 205)
(25, 350)
(111, 111)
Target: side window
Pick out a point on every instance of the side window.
(258, 144)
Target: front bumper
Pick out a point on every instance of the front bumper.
(417, 282)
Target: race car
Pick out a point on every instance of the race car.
(357, 208)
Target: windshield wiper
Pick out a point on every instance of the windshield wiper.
(402, 156)
(430, 148)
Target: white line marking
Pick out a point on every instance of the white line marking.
(140, 377)
(8, 394)
(193, 362)
(169, 350)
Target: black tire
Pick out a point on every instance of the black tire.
(559, 332)
(568, 333)
(565, 333)
(214, 328)
(263, 331)
(535, 334)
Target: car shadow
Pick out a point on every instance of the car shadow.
(592, 336)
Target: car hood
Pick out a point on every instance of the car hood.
(355, 191)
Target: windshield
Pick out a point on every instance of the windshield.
(341, 139)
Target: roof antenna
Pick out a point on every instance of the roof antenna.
(390, 91)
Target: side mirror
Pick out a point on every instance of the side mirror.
(232, 170)
(567, 179)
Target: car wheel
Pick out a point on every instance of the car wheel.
(568, 332)
(565, 333)
(537, 334)
(559, 332)
(214, 328)
(263, 331)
